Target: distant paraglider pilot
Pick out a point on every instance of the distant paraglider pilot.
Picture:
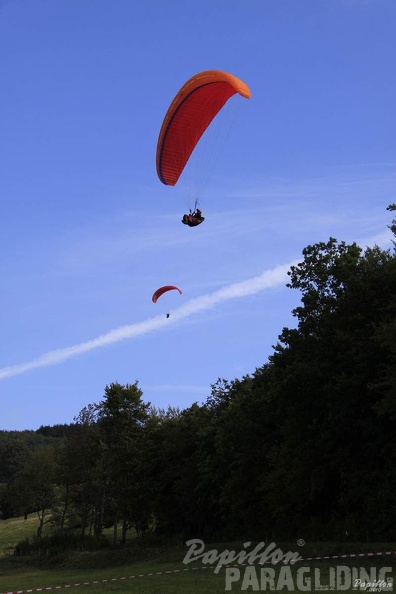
(194, 218)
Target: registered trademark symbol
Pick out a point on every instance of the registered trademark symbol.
(301, 542)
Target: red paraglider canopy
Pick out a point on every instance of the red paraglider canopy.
(190, 113)
(163, 290)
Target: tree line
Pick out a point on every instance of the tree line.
(302, 447)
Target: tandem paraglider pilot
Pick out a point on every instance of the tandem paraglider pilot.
(194, 218)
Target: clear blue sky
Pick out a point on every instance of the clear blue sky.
(87, 230)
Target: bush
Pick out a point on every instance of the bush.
(59, 542)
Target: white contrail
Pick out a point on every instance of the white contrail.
(266, 280)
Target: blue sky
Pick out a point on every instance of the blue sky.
(88, 232)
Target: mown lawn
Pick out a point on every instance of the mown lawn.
(15, 529)
(148, 578)
(165, 572)
(160, 578)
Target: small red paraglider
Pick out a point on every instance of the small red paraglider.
(163, 290)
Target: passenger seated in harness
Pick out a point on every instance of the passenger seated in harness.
(194, 218)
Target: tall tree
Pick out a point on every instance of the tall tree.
(122, 416)
(32, 487)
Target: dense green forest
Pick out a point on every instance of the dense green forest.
(304, 446)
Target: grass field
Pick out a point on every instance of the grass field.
(149, 578)
(14, 530)
(157, 578)
(166, 573)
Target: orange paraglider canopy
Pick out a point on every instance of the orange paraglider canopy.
(163, 290)
(190, 113)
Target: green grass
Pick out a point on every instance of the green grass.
(150, 578)
(17, 578)
(14, 530)
(156, 570)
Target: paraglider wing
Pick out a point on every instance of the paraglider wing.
(190, 113)
(163, 290)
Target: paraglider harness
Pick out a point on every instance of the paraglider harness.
(194, 218)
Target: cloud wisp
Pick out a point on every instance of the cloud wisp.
(267, 280)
